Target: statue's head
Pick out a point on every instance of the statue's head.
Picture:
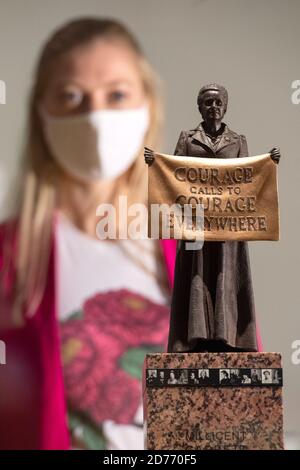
(212, 102)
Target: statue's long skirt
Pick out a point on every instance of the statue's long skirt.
(212, 298)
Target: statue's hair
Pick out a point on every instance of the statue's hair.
(212, 86)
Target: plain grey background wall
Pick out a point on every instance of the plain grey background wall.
(250, 46)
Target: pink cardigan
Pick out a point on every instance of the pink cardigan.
(34, 414)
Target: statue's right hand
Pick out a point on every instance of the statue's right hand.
(149, 156)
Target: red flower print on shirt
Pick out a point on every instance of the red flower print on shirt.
(96, 345)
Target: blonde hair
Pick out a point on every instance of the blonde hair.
(42, 174)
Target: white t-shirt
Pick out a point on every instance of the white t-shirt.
(88, 268)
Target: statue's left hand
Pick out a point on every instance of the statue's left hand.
(275, 154)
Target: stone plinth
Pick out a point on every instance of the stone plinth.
(213, 401)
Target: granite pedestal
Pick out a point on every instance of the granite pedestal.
(213, 401)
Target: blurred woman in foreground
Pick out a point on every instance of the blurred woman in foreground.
(74, 306)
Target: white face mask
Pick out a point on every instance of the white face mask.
(97, 145)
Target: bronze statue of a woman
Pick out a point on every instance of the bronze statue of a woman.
(212, 304)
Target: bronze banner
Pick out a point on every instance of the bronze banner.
(239, 196)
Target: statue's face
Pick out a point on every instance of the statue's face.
(213, 106)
